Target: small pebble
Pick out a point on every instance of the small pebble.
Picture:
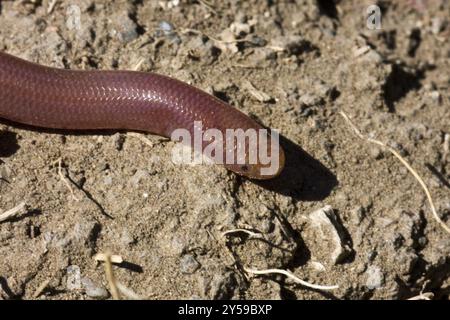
(188, 264)
(327, 228)
(167, 30)
(93, 290)
(435, 96)
(376, 153)
(173, 3)
(375, 277)
(124, 29)
(107, 181)
(240, 29)
(73, 277)
(437, 25)
(166, 27)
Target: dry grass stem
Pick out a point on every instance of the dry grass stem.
(13, 212)
(110, 277)
(403, 161)
(291, 276)
(423, 296)
(113, 258)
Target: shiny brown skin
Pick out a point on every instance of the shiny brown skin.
(78, 100)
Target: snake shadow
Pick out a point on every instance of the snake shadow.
(303, 177)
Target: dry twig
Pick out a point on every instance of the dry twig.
(423, 296)
(12, 212)
(51, 6)
(291, 276)
(104, 257)
(110, 277)
(403, 161)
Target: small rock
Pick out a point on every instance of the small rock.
(329, 235)
(5, 173)
(73, 277)
(376, 153)
(167, 29)
(188, 264)
(317, 266)
(446, 148)
(93, 290)
(240, 29)
(422, 241)
(375, 277)
(298, 18)
(126, 238)
(372, 57)
(437, 25)
(435, 96)
(124, 29)
(359, 51)
(173, 3)
(107, 181)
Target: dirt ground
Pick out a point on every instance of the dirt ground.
(344, 212)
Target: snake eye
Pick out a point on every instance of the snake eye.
(244, 168)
